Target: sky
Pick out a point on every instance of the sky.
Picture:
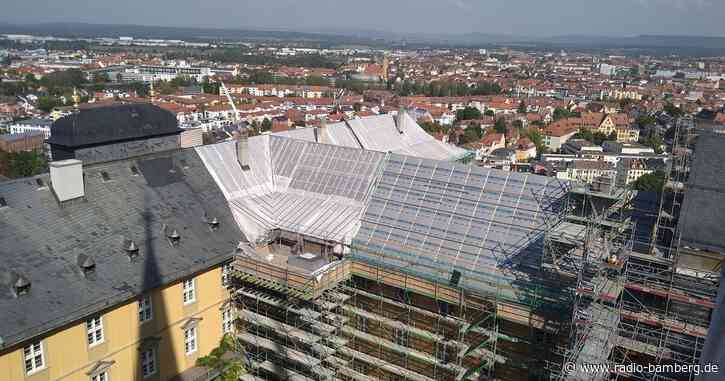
(507, 17)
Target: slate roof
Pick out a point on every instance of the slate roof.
(42, 240)
(704, 205)
(112, 124)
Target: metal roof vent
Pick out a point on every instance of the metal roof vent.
(87, 265)
(174, 238)
(131, 249)
(21, 285)
(212, 222)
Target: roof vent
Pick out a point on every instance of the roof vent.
(3, 202)
(212, 222)
(134, 170)
(174, 237)
(131, 249)
(21, 286)
(106, 177)
(86, 264)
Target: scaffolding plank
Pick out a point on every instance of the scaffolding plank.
(376, 362)
(278, 349)
(279, 327)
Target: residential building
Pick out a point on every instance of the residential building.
(558, 133)
(28, 141)
(120, 262)
(587, 171)
(31, 125)
(629, 170)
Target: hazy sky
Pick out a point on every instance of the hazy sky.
(520, 17)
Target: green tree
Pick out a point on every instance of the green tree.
(468, 113)
(655, 142)
(561, 113)
(535, 136)
(645, 120)
(266, 125)
(472, 133)
(489, 113)
(47, 103)
(24, 164)
(651, 182)
(224, 359)
(101, 78)
(673, 110)
(519, 125)
(500, 126)
(522, 108)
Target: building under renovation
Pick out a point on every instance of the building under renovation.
(366, 265)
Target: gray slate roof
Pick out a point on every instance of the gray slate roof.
(702, 213)
(42, 240)
(112, 124)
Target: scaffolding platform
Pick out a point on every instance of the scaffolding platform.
(376, 362)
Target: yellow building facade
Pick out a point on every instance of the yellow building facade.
(185, 322)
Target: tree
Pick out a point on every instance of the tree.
(472, 133)
(46, 103)
(500, 126)
(522, 108)
(229, 367)
(519, 125)
(101, 78)
(561, 113)
(211, 87)
(645, 120)
(24, 164)
(651, 182)
(468, 113)
(535, 136)
(673, 110)
(655, 142)
(489, 113)
(266, 125)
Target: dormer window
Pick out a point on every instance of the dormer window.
(106, 177)
(174, 238)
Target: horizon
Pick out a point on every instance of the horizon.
(518, 18)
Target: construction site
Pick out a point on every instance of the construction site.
(366, 265)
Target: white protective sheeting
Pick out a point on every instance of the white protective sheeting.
(379, 133)
(313, 189)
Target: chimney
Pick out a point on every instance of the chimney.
(66, 177)
(243, 151)
(400, 120)
(322, 132)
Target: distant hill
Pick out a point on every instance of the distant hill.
(644, 44)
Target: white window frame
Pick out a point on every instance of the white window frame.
(32, 353)
(94, 331)
(100, 376)
(190, 340)
(227, 320)
(145, 309)
(148, 361)
(189, 290)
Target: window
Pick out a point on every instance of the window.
(226, 270)
(33, 355)
(94, 329)
(103, 376)
(145, 310)
(148, 362)
(189, 291)
(227, 320)
(190, 340)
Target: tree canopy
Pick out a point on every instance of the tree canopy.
(651, 182)
(468, 113)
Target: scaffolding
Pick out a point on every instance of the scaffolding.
(461, 273)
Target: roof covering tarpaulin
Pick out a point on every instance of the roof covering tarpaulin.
(308, 188)
(380, 133)
(429, 218)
